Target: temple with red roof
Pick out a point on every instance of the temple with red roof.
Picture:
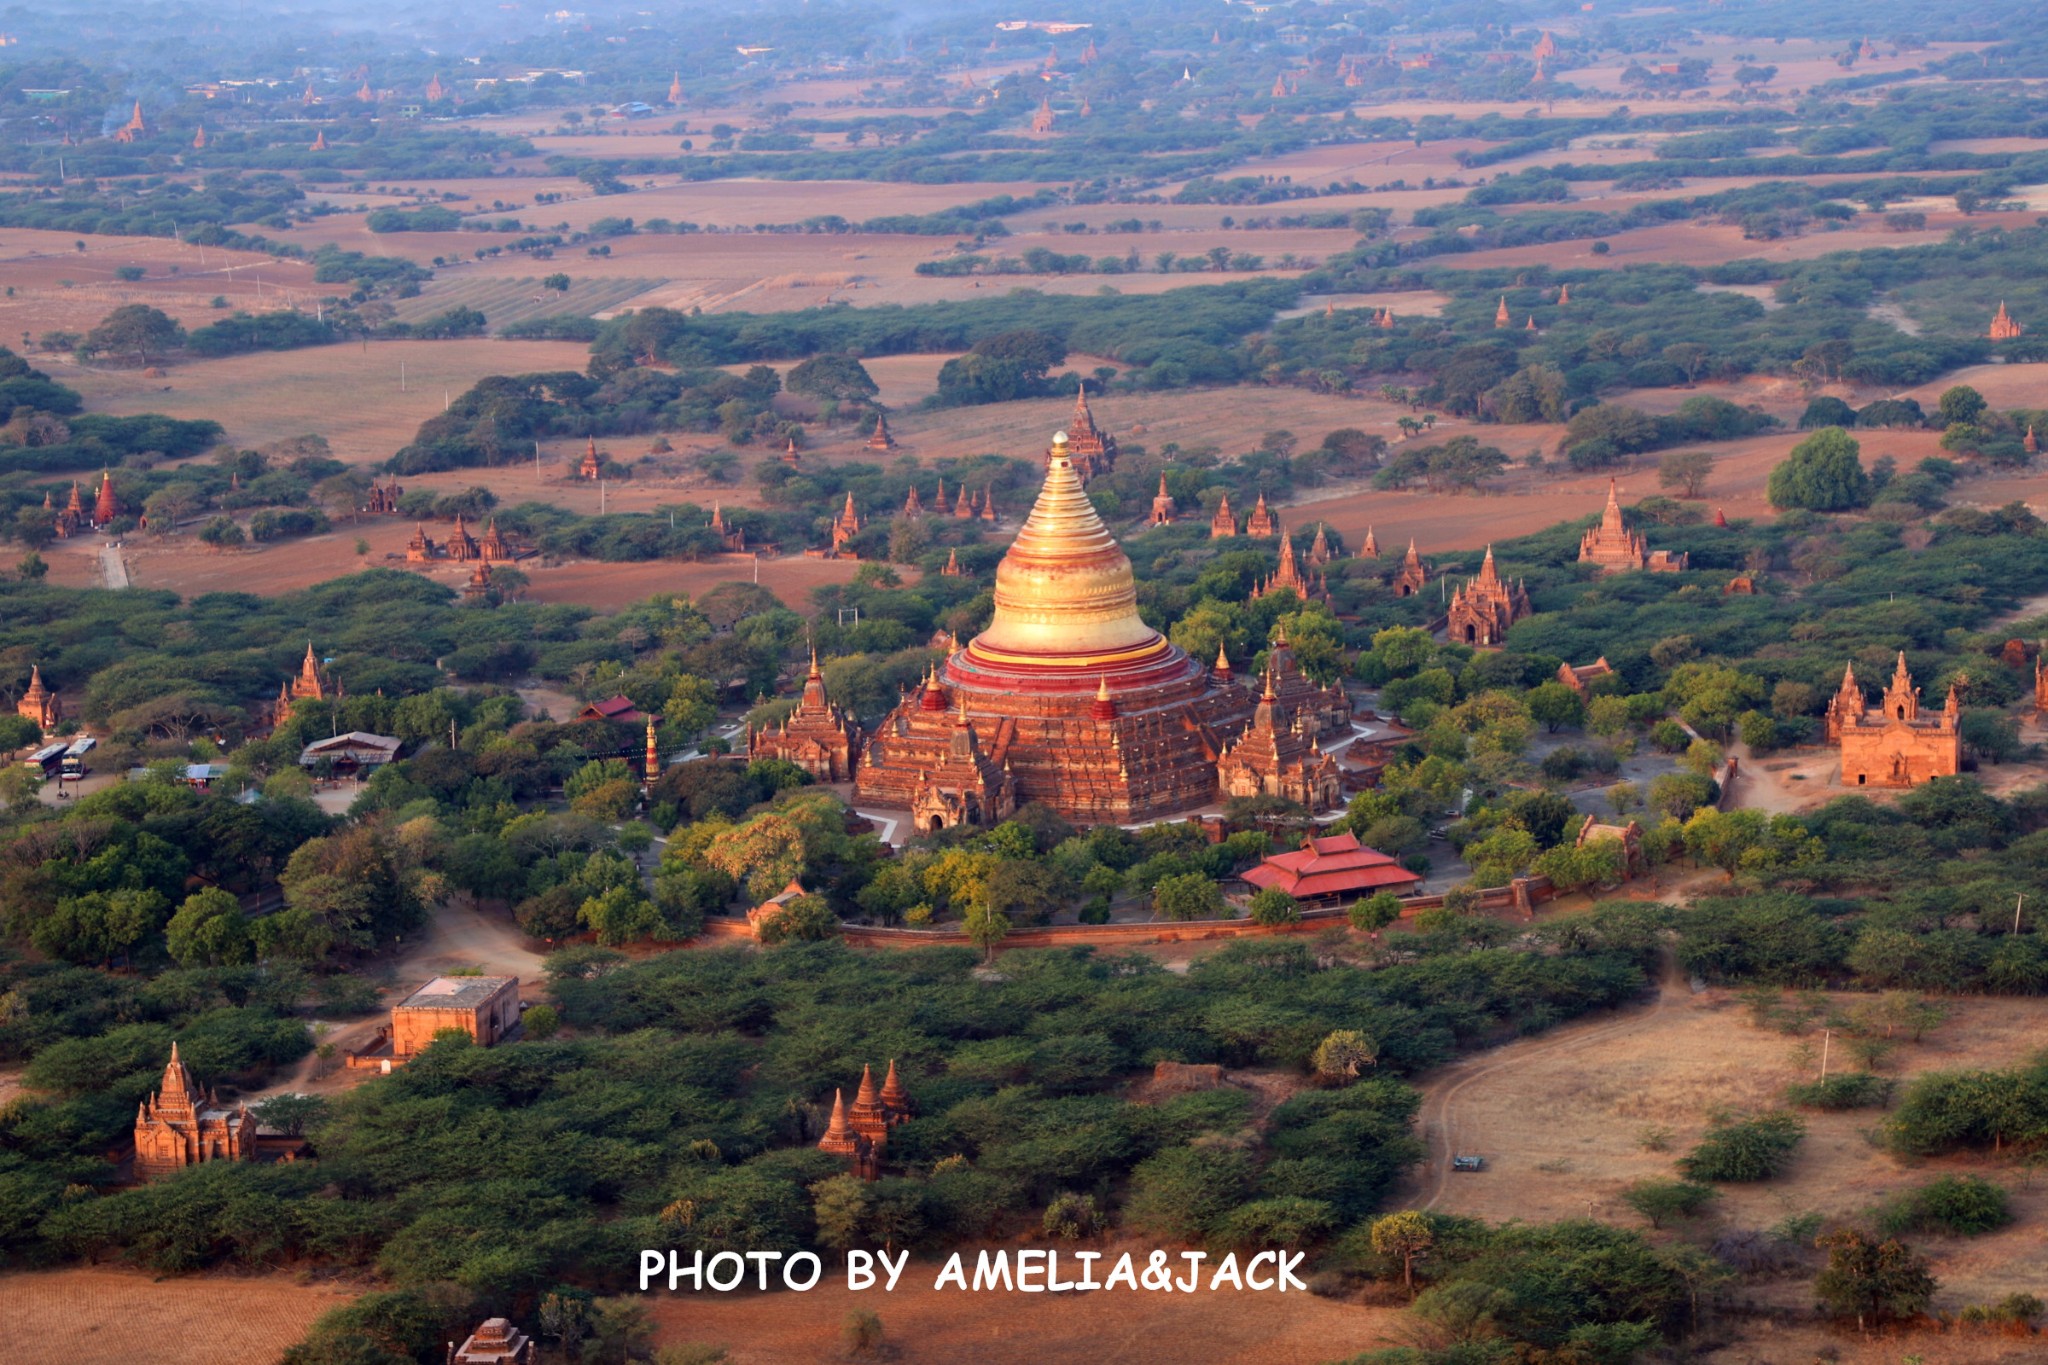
(1333, 868)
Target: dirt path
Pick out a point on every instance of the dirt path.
(113, 568)
(1438, 1118)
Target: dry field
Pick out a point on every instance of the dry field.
(350, 394)
(1701, 244)
(1559, 1119)
(994, 1328)
(95, 1315)
(47, 284)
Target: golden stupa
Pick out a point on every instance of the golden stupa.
(1068, 697)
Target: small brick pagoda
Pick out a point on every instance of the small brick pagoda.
(1092, 450)
(1279, 756)
(312, 684)
(179, 1126)
(1894, 745)
(1483, 609)
(39, 705)
(817, 736)
(1613, 548)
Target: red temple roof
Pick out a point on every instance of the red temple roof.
(1332, 866)
(611, 708)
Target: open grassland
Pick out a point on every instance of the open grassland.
(1560, 1119)
(47, 284)
(351, 394)
(95, 1315)
(996, 1328)
(506, 299)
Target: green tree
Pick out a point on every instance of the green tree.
(1658, 1200)
(1375, 912)
(802, 919)
(1272, 906)
(1556, 707)
(1344, 1053)
(832, 376)
(1824, 473)
(136, 330)
(222, 533)
(1873, 1282)
(1687, 471)
(209, 930)
(1961, 404)
(1187, 896)
(1409, 1236)
(986, 927)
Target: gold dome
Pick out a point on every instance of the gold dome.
(1065, 595)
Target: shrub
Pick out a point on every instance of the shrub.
(1272, 906)
(1845, 1090)
(1658, 1200)
(541, 1022)
(1071, 1217)
(1745, 1150)
(1964, 1205)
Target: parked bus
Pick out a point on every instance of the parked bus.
(74, 757)
(47, 759)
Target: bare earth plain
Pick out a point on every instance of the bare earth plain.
(101, 1315)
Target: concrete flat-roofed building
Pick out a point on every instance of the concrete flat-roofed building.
(484, 1007)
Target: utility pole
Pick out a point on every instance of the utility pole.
(2016, 911)
(401, 364)
(1827, 1036)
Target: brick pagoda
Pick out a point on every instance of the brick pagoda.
(179, 1126)
(1615, 549)
(1894, 745)
(1279, 756)
(1067, 698)
(817, 736)
(1483, 609)
(1092, 449)
(39, 705)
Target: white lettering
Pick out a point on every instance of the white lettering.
(1124, 1271)
(1226, 1271)
(739, 1271)
(953, 1271)
(817, 1271)
(761, 1260)
(1052, 1275)
(1254, 1281)
(1288, 1261)
(987, 1273)
(895, 1270)
(1088, 1260)
(860, 1270)
(1194, 1279)
(652, 1263)
(1030, 1265)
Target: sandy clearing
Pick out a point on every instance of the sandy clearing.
(350, 394)
(99, 1315)
(996, 1328)
(1558, 1117)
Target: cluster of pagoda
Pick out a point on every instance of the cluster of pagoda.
(859, 1133)
(965, 506)
(492, 547)
(1071, 699)
(73, 518)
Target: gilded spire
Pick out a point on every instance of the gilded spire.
(1063, 587)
